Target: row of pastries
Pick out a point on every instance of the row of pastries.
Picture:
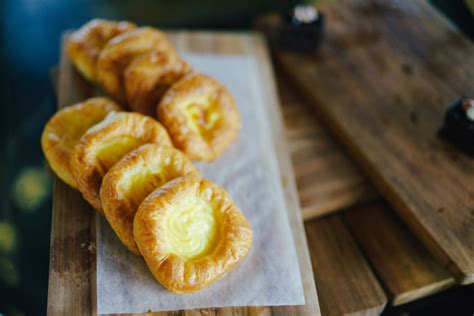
(138, 67)
(130, 156)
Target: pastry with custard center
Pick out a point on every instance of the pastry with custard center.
(200, 115)
(191, 233)
(106, 143)
(130, 180)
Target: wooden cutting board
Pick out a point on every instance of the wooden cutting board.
(72, 262)
(385, 75)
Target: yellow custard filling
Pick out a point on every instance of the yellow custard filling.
(137, 183)
(202, 117)
(74, 125)
(114, 149)
(191, 229)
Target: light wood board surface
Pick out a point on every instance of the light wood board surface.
(72, 263)
(406, 269)
(385, 75)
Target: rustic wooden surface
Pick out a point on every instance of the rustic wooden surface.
(407, 270)
(327, 179)
(346, 284)
(429, 277)
(72, 263)
(384, 77)
(72, 250)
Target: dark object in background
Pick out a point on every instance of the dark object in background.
(458, 125)
(302, 29)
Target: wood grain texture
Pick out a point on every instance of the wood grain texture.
(72, 264)
(407, 270)
(346, 284)
(72, 226)
(385, 75)
(327, 180)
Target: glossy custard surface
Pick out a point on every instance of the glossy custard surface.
(191, 229)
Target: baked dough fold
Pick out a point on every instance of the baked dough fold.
(149, 76)
(66, 127)
(84, 45)
(121, 50)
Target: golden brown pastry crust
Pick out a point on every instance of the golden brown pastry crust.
(85, 44)
(200, 115)
(120, 51)
(65, 128)
(171, 270)
(135, 176)
(149, 76)
(106, 143)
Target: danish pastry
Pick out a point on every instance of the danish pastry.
(135, 176)
(106, 143)
(190, 233)
(121, 50)
(65, 128)
(148, 77)
(200, 115)
(84, 45)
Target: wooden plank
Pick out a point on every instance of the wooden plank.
(72, 226)
(407, 270)
(346, 284)
(327, 179)
(72, 264)
(383, 79)
(288, 182)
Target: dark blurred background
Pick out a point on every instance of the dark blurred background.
(30, 33)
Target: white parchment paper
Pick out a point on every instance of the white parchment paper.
(269, 275)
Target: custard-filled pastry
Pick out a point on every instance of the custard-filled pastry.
(200, 115)
(106, 143)
(135, 176)
(84, 45)
(149, 76)
(121, 50)
(65, 128)
(190, 233)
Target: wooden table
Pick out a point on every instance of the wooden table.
(394, 68)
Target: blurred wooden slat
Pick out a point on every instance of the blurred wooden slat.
(346, 284)
(385, 75)
(407, 270)
(327, 179)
